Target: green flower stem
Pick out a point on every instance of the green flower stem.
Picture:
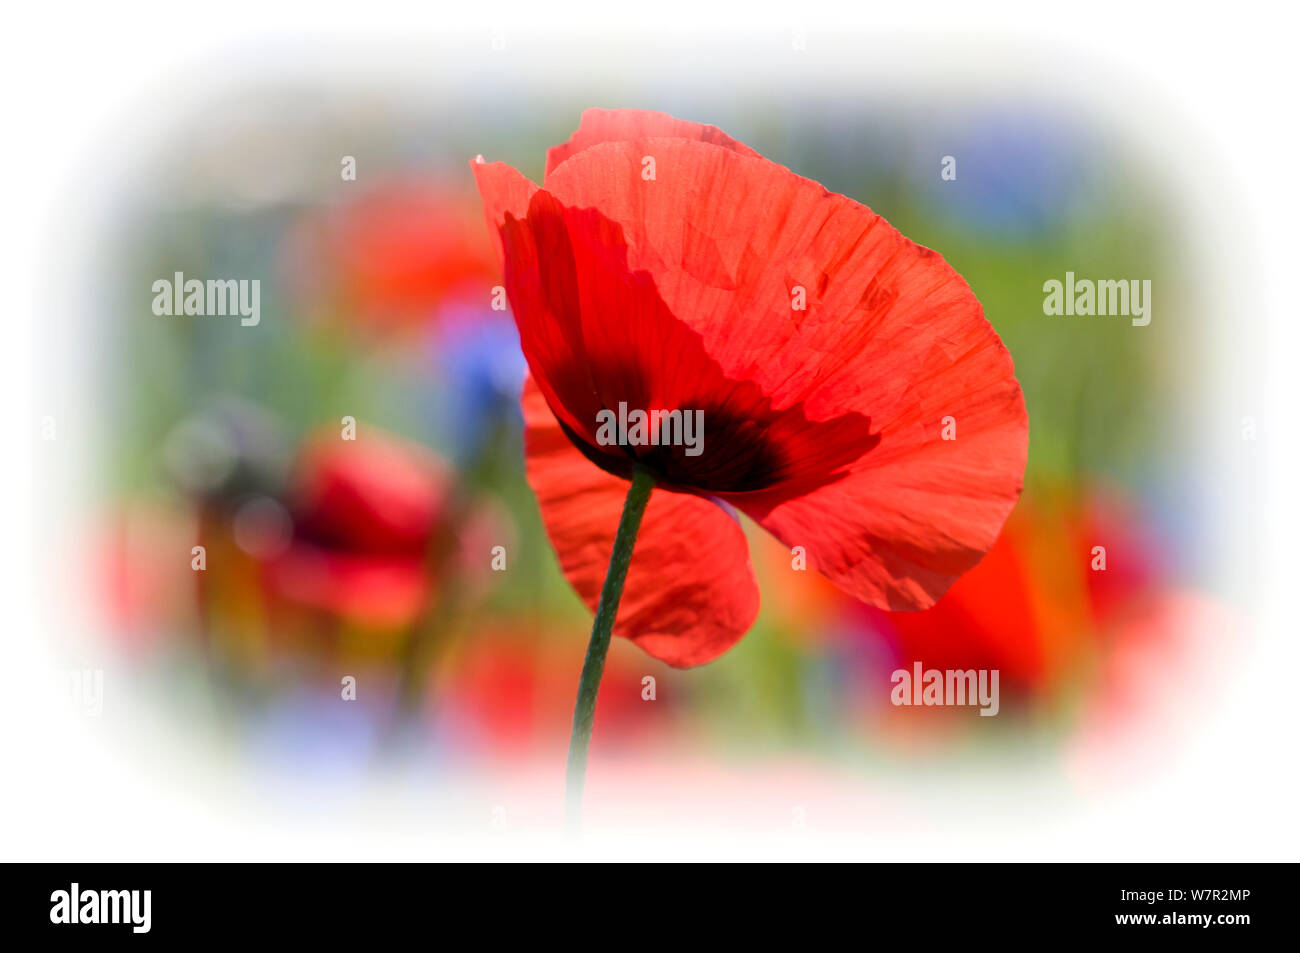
(584, 711)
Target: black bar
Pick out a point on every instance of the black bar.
(330, 903)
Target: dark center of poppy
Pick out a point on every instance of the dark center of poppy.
(754, 449)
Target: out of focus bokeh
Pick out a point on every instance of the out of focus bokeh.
(411, 559)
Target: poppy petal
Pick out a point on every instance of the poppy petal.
(621, 125)
(505, 193)
(540, 296)
(690, 591)
(898, 536)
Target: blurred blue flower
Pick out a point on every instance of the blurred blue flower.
(1018, 176)
(315, 737)
(478, 376)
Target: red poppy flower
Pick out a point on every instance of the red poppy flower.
(666, 266)
(364, 516)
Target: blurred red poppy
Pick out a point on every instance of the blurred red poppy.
(364, 514)
(389, 258)
(1035, 609)
(663, 265)
(512, 694)
(142, 584)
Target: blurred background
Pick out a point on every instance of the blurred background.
(326, 558)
